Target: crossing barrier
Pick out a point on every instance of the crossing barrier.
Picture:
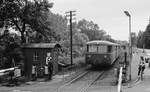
(6, 71)
(10, 75)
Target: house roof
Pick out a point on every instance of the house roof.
(42, 45)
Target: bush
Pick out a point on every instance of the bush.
(64, 59)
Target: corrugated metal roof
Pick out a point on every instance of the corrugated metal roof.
(41, 45)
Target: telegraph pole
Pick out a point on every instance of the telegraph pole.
(70, 14)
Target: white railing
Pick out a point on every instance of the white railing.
(120, 80)
(4, 71)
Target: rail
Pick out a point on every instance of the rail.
(68, 83)
(90, 84)
(120, 80)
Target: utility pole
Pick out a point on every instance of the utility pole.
(70, 14)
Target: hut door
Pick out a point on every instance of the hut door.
(38, 64)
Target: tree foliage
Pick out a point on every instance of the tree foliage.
(143, 38)
(92, 30)
(10, 51)
(58, 24)
(146, 37)
(133, 39)
(80, 39)
(79, 43)
(140, 39)
(26, 14)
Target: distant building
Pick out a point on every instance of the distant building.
(36, 53)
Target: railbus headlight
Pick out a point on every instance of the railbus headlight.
(88, 56)
(105, 56)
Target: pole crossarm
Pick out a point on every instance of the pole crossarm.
(127, 13)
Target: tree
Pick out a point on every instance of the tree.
(133, 39)
(89, 28)
(10, 51)
(80, 39)
(140, 39)
(92, 30)
(146, 37)
(26, 14)
(79, 43)
(58, 24)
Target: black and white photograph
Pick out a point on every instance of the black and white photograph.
(74, 45)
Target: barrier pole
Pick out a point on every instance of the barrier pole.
(120, 80)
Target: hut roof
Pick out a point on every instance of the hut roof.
(42, 45)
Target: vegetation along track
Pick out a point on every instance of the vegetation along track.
(81, 83)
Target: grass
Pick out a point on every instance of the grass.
(79, 60)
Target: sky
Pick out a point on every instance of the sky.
(109, 14)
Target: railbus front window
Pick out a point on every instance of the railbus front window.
(92, 48)
(124, 47)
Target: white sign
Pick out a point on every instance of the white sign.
(17, 72)
(48, 59)
(46, 69)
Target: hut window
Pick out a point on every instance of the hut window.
(35, 57)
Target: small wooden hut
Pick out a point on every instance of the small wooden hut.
(36, 53)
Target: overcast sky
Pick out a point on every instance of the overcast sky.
(109, 14)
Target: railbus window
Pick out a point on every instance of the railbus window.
(109, 50)
(92, 48)
(113, 48)
(102, 49)
(124, 47)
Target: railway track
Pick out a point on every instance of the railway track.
(81, 83)
(92, 82)
(89, 79)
